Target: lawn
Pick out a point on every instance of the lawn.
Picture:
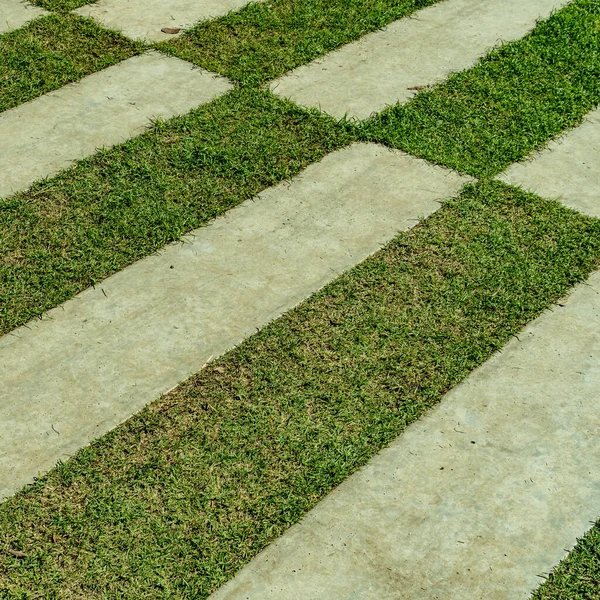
(511, 103)
(61, 5)
(52, 51)
(73, 230)
(266, 39)
(174, 501)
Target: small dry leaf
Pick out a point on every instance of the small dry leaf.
(220, 370)
(17, 553)
(172, 30)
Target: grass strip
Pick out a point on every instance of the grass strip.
(69, 232)
(61, 5)
(174, 501)
(53, 51)
(577, 577)
(512, 102)
(265, 39)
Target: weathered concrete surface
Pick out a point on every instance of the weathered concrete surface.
(107, 353)
(144, 19)
(475, 500)
(15, 13)
(102, 109)
(568, 169)
(381, 68)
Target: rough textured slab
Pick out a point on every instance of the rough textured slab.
(568, 169)
(15, 13)
(144, 19)
(473, 501)
(381, 68)
(104, 355)
(43, 136)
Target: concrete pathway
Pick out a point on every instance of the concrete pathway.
(16, 13)
(111, 350)
(384, 67)
(568, 169)
(475, 500)
(103, 109)
(144, 19)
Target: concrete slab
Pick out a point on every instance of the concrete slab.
(16, 13)
(384, 67)
(104, 355)
(475, 500)
(144, 19)
(41, 137)
(567, 169)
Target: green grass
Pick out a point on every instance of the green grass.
(512, 102)
(578, 576)
(61, 5)
(69, 232)
(53, 51)
(264, 40)
(174, 501)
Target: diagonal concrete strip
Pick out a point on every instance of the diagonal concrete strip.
(475, 500)
(567, 169)
(41, 137)
(144, 19)
(15, 13)
(384, 67)
(111, 350)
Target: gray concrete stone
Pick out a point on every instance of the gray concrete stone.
(568, 169)
(104, 355)
(16, 13)
(473, 501)
(41, 137)
(144, 19)
(384, 67)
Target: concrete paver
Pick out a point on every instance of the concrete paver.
(102, 109)
(567, 169)
(105, 354)
(144, 19)
(16, 13)
(381, 68)
(475, 500)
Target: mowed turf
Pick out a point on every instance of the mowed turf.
(52, 51)
(517, 98)
(369, 375)
(73, 230)
(61, 5)
(265, 39)
(120, 205)
(174, 501)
